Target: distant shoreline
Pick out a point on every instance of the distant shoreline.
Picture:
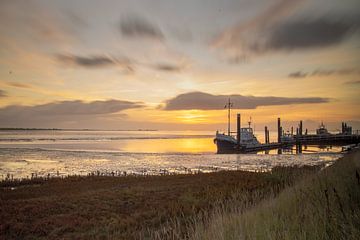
(77, 129)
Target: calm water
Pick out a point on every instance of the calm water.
(80, 152)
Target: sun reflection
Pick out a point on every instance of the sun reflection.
(185, 145)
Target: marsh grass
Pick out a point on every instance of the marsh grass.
(132, 207)
(321, 206)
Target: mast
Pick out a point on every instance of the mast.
(228, 106)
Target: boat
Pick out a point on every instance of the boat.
(287, 138)
(322, 130)
(227, 143)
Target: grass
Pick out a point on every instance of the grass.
(322, 206)
(133, 207)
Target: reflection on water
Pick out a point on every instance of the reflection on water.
(22, 162)
(81, 152)
(184, 145)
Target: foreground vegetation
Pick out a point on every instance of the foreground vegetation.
(98, 207)
(323, 206)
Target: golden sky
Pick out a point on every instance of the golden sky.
(173, 64)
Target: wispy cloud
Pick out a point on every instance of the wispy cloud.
(356, 82)
(36, 22)
(277, 30)
(325, 72)
(167, 67)
(303, 34)
(236, 40)
(206, 101)
(96, 61)
(88, 61)
(2, 93)
(18, 85)
(298, 74)
(101, 61)
(137, 27)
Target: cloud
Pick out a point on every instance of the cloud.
(298, 74)
(2, 93)
(274, 30)
(18, 85)
(168, 67)
(59, 112)
(356, 82)
(76, 107)
(237, 41)
(95, 61)
(135, 27)
(100, 61)
(205, 101)
(302, 34)
(328, 72)
(33, 22)
(324, 72)
(89, 61)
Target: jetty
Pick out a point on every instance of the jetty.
(322, 136)
(245, 141)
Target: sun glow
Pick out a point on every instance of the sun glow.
(192, 116)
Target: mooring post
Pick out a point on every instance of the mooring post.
(292, 131)
(279, 130)
(266, 134)
(297, 135)
(301, 128)
(238, 132)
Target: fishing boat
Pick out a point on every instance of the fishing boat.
(229, 144)
(244, 138)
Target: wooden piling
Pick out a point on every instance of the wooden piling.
(238, 132)
(266, 134)
(279, 130)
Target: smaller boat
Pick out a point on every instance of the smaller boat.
(322, 130)
(287, 138)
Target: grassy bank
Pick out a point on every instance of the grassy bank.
(323, 206)
(96, 207)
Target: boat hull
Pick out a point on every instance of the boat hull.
(224, 146)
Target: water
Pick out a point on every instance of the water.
(58, 152)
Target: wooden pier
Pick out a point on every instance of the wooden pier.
(300, 139)
(334, 139)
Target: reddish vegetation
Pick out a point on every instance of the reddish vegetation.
(103, 207)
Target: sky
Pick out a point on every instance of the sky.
(172, 65)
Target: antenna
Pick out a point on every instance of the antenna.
(229, 105)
